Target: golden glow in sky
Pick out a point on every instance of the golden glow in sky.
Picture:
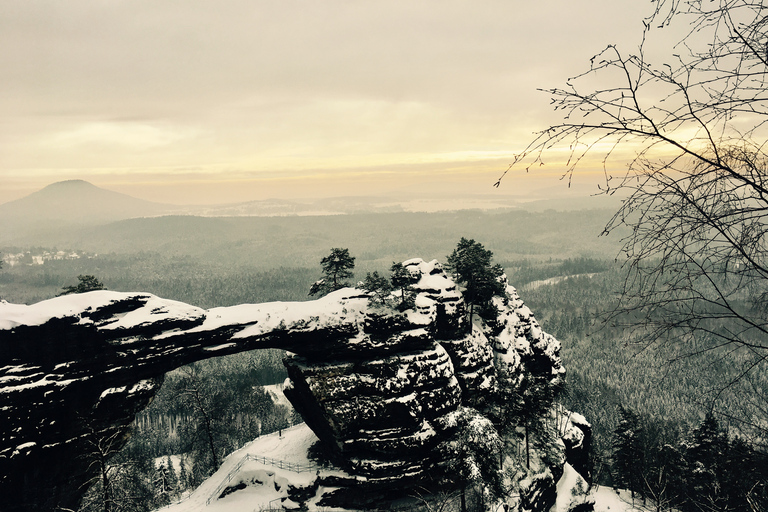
(199, 102)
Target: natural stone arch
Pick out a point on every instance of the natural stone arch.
(75, 366)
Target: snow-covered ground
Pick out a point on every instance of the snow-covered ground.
(275, 391)
(553, 280)
(608, 499)
(266, 483)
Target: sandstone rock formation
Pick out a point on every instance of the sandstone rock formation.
(377, 385)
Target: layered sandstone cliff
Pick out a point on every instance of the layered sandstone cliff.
(379, 386)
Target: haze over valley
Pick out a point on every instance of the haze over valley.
(434, 256)
(565, 270)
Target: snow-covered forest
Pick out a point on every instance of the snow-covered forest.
(652, 432)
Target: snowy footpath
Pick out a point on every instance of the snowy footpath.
(264, 468)
(608, 499)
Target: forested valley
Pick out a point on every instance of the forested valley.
(649, 408)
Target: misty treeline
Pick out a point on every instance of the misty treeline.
(185, 279)
(222, 261)
(669, 392)
(651, 408)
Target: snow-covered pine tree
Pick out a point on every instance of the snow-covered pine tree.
(706, 453)
(378, 288)
(475, 457)
(470, 264)
(628, 451)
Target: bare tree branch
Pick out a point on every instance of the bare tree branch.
(696, 257)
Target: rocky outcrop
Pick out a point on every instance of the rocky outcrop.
(376, 384)
(74, 370)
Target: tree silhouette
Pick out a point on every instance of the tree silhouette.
(337, 268)
(696, 184)
(470, 264)
(87, 283)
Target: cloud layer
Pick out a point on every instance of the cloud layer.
(253, 88)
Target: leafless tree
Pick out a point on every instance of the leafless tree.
(194, 393)
(696, 182)
(658, 492)
(436, 501)
(116, 485)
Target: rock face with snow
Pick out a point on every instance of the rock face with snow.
(382, 407)
(375, 384)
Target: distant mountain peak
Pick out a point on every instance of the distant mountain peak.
(71, 183)
(70, 203)
(75, 187)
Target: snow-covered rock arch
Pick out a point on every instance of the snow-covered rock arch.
(375, 384)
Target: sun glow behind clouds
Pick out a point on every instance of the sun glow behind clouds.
(132, 135)
(280, 98)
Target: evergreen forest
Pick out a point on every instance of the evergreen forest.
(667, 425)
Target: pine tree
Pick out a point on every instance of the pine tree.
(173, 480)
(470, 264)
(745, 477)
(536, 399)
(161, 484)
(475, 455)
(184, 476)
(378, 288)
(402, 281)
(706, 452)
(627, 450)
(337, 268)
(87, 283)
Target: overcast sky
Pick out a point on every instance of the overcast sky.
(192, 101)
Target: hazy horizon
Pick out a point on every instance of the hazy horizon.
(257, 100)
(76, 192)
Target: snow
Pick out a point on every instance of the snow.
(608, 499)
(570, 490)
(432, 277)
(275, 391)
(342, 306)
(175, 461)
(111, 391)
(41, 382)
(156, 309)
(219, 347)
(11, 378)
(79, 305)
(266, 484)
(579, 419)
(25, 446)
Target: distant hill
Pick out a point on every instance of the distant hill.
(69, 204)
(75, 212)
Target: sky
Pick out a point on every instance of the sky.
(195, 102)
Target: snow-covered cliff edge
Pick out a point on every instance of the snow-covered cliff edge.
(380, 387)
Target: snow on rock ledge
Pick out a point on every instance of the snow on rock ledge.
(375, 384)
